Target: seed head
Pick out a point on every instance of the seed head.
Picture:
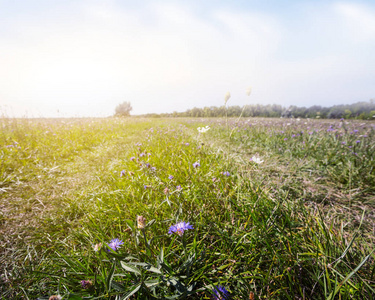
(226, 98)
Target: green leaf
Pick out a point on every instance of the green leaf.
(110, 275)
(134, 289)
(128, 267)
(150, 283)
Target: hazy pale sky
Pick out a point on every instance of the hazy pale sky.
(83, 57)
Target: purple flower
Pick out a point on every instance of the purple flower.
(220, 292)
(355, 130)
(115, 244)
(226, 173)
(343, 143)
(179, 188)
(153, 169)
(179, 228)
(86, 284)
(142, 154)
(358, 141)
(187, 144)
(285, 139)
(170, 177)
(196, 164)
(123, 173)
(293, 135)
(132, 158)
(148, 165)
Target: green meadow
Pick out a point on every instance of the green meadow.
(133, 208)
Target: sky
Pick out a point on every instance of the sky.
(82, 58)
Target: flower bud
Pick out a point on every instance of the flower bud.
(141, 221)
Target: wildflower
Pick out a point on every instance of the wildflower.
(170, 177)
(115, 244)
(86, 284)
(203, 129)
(132, 158)
(343, 143)
(141, 222)
(256, 160)
(196, 164)
(226, 173)
(142, 154)
(123, 173)
(55, 297)
(179, 188)
(146, 187)
(220, 293)
(187, 144)
(166, 190)
(358, 141)
(293, 135)
(226, 98)
(153, 169)
(179, 228)
(97, 247)
(148, 165)
(285, 139)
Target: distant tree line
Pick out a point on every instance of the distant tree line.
(360, 110)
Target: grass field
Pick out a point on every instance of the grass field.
(98, 209)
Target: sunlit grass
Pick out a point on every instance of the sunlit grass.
(268, 219)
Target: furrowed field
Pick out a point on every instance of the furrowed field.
(154, 209)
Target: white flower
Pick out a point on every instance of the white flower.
(97, 247)
(257, 159)
(203, 129)
(248, 91)
(226, 98)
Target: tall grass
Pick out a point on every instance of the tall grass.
(255, 234)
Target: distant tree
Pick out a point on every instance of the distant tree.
(123, 109)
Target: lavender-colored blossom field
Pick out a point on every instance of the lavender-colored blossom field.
(135, 208)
